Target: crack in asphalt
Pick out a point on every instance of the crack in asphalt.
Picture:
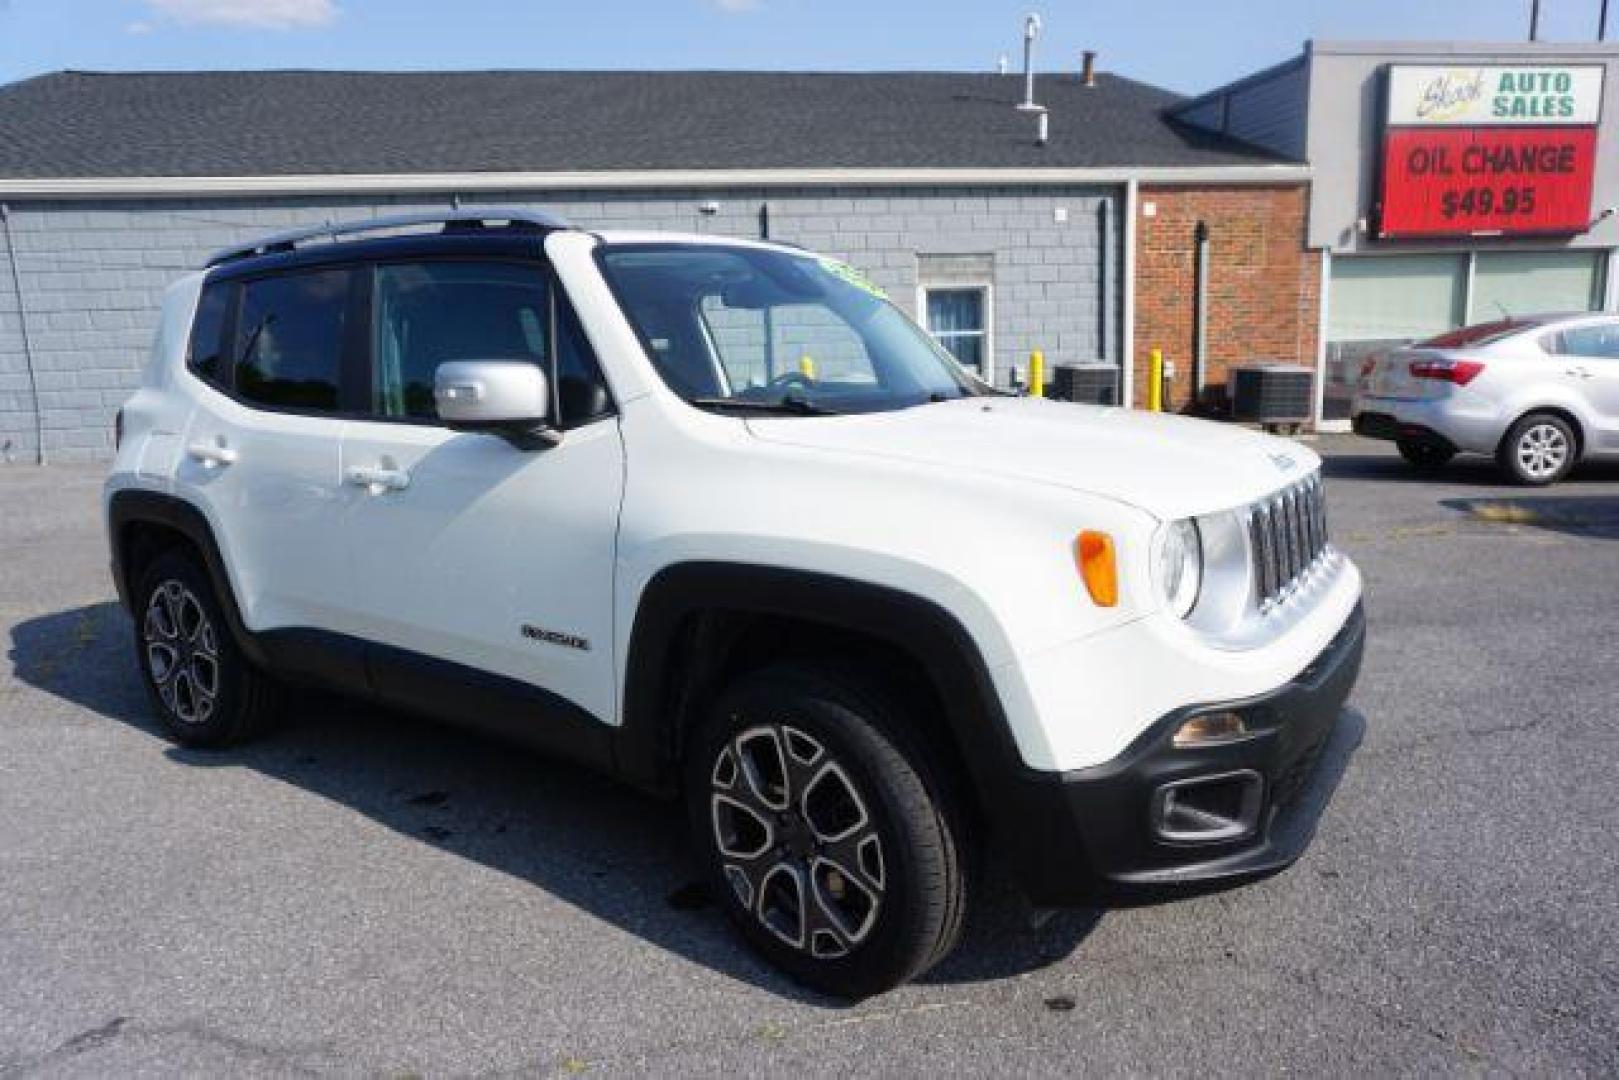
(122, 1028)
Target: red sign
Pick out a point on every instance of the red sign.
(1483, 181)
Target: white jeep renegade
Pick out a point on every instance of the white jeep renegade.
(715, 517)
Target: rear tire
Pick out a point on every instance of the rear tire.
(827, 829)
(1425, 456)
(1540, 449)
(202, 688)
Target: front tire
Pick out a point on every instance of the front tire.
(1539, 449)
(202, 688)
(827, 831)
(1424, 456)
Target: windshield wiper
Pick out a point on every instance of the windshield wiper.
(791, 406)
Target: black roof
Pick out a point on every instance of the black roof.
(270, 123)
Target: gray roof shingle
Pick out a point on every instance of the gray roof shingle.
(276, 123)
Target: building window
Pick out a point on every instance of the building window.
(1529, 282)
(958, 318)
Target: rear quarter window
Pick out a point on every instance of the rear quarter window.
(205, 353)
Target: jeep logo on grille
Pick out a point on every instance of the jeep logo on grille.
(1283, 462)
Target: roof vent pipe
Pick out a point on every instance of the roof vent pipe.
(1031, 30)
(1042, 129)
(1087, 68)
(1001, 64)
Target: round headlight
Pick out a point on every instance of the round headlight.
(1178, 566)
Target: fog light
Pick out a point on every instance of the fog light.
(1210, 728)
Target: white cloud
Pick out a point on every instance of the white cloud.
(736, 6)
(252, 14)
(138, 28)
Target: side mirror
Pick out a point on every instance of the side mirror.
(504, 397)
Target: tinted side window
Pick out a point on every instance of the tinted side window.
(432, 312)
(1601, 340)
(205, 355)
(289, 340)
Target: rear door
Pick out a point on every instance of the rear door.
(465, 548)
(260, 455)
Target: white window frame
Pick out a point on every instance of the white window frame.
(978, 285)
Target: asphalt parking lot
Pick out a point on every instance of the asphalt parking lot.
(367, 893)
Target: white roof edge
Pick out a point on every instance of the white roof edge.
(396, 183)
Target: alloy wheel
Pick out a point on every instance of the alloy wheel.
(1542, 450)
(798, 845)
(182, 652)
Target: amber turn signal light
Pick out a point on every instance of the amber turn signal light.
(1097, 565)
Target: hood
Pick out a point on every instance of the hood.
(1170, 466)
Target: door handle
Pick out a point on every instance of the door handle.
(212, 455)
(378, 480)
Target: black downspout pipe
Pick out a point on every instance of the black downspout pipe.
(1200, 326)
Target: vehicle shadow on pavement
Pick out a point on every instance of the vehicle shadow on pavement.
(604, 848)
(1577, 515)
(1465, 471)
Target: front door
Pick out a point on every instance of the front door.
(465, 548)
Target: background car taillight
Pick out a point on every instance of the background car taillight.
(1460, 372)
(118, 430)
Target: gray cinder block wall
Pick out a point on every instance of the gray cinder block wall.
(93, 272)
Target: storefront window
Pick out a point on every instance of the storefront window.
(1376, 302)
(1507, 283)
(1387, 298)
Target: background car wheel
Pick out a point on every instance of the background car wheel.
(1539, 449)
(1425, 456)
(828, 831)
(202, 687)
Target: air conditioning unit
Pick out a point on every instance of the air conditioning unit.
(1272, 394)
(1094, 382)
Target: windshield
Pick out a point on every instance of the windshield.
(754, 329)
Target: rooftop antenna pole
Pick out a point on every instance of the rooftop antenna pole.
(1534, 20)
(1602, 22)
(1031, 30)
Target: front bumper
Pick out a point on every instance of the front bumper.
(1100, 833)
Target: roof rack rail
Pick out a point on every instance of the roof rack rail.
(459, 220)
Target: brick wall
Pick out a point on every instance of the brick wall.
(1263, 289)
(93, 272)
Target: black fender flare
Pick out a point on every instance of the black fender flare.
(920, 627)
(134, 506)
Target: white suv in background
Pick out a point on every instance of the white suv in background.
(716, 518)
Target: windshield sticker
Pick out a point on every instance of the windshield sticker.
(846, 273)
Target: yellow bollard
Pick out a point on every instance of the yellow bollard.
(1155, 380)
(1037, 374)
(806, 366)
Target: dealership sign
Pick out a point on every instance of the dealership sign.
(1489, 150)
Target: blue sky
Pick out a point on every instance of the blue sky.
(1184, 44)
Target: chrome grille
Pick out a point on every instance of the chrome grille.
(1287, 535)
